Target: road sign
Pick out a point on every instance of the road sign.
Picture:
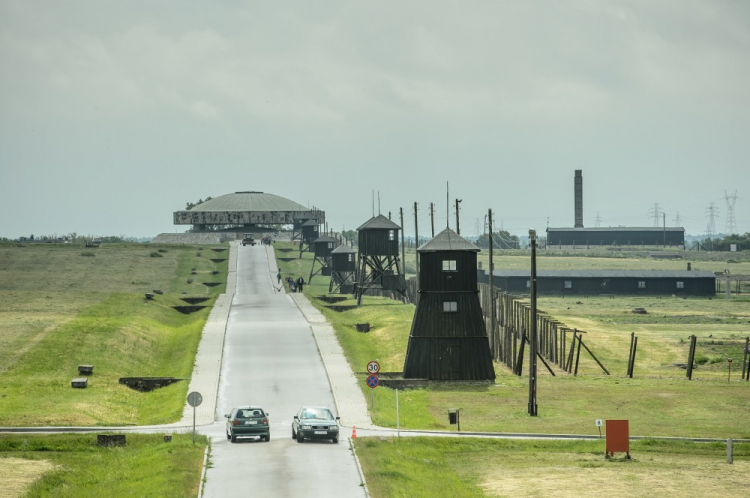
(195, 398)
(373, 381)
(598, 422)
(373, 367)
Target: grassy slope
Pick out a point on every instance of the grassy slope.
(658, 401)
(61, 308)
(146, 466)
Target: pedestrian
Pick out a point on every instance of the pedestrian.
(293, 286)
(300, 284)
(278, 276)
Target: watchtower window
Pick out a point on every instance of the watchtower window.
(449, 265)
(568, 284)
(391, 234)
(528, 284)
(351, 257)
(680, 285)
(450, 306)
(330, 245)
(641, 284)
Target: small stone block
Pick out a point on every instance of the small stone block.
(149, 296)
(85, 369)
(157, 291)
(167, 438)
(79, 382)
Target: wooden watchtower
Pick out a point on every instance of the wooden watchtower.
(310, 232)
(322, 247)
(343, 270)
(379, 266)
(448, 340)
(298, 221)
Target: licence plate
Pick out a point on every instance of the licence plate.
(251, 422)
(321, 432)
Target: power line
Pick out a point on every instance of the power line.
(655, 212)
(711, 212)
(731, 200)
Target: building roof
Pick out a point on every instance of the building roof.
(447, 240)
(618, 229)
(379, 222)
(249, 201)
(343, 249)
(311, 223)
(324, 238)
(605, 273)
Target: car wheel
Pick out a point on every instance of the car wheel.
(294, 434)
(233, 438)
(335, 440)
(228, 436)
(300, 439)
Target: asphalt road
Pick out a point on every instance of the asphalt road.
(270, 359)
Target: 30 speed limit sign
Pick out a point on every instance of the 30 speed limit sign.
(373, 367)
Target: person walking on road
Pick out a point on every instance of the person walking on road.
(300, 284)
(278, 276)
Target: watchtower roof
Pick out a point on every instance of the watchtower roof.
(447, 240)
(343, 249)
(379, 222)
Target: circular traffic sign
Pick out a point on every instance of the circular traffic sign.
(373, 381)
(195, 398)
(373, 367)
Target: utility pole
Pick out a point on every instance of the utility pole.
(533, 338)
(432, 218)
(416, 236)
(677, 219)
(403, 254)
(598, 220)
(492, 281)
(458, 226)
(664, 219)
(447, 205)
(712, 212)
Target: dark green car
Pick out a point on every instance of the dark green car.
(315, 422)
(248, 421)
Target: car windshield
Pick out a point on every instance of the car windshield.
(249, 413)
(317, 413)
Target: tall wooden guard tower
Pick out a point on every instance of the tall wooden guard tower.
(448, 340)
(310, 232)
(343, 270)
(379, 265)
(322, 247)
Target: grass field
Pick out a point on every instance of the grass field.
(472, 467)
(72, 465)
(61, 306)
(658, 401)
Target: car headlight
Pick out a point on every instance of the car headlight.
(306, 427)
(333, 428)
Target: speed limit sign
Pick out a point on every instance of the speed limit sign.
(373, 367)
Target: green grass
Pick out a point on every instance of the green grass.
(471, 467)
(72, 465)
(59, 310)
(658, 401)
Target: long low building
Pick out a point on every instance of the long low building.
(617, 236)
(592, 282)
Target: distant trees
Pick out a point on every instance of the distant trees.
(724, 243)
(191, 205)
(502, 239)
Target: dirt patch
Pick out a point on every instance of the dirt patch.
(665, 475)
(17, 474)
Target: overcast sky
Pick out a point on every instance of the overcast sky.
(114, 114)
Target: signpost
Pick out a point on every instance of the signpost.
(194, 399)
(599, 425)
(373, 381)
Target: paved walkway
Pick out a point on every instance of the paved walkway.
(350, 402)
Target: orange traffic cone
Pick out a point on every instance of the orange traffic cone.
(354, 432)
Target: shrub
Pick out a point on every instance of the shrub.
(155, 254)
